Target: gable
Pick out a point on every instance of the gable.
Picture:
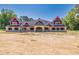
(14, 21)
(57, 20)
(26, 24)
(39, 23)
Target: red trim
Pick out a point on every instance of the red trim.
(57, 19)
(14, 20)
(26, 25)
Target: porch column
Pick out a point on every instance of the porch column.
(50, 28)
(27, 28)
(13, 28)
(43, 29)
(34, 28)
(64, 28)
(7, 28)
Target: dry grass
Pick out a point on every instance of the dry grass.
(34, 43)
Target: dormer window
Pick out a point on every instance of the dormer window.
(57, 22)
(14, 23)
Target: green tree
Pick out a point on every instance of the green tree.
(70, 21)
(5, 17)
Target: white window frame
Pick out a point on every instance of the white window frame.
(14, 23)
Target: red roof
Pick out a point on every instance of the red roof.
(13, 19)
(57, 18)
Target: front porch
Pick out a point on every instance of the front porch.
(35, 29)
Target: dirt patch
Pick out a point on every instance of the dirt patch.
(44, 43)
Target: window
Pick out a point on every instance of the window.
(62, 28)
(31, 28)
(16, 28)
(9, 28)
(53, 28)
(57, 22)
(15, 23)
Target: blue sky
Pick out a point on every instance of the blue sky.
(44, 11)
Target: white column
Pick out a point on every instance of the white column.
(43, 29)
(34, 29)
(50, 28)
(65, 28)
(13, 28)
(27, 28)
(59, 28)
(18, 28)
(6, 28)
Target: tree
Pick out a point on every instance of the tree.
(70, 21)
(5, 16)
(77, 8)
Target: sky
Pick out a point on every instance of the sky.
(44, 11)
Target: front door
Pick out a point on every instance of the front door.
(39, 29)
